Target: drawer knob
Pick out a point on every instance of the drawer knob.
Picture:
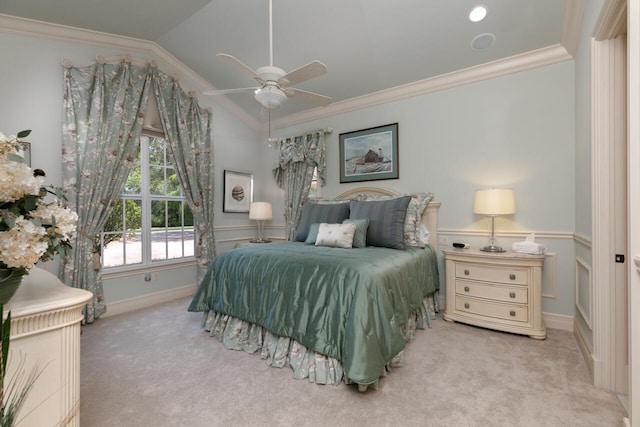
(512, 313)
(466, 289)
(466, 305)
(512, 276)
(466, 272)
(512, 294)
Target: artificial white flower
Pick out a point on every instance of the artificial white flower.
(65, 218)
(23, 245)
(17, 181)
(26, 221)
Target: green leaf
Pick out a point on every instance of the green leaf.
(30, 202)
(24, 133)
(5, 333)
(15, 158)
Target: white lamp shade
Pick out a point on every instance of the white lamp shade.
(260, 211)
(494, 201)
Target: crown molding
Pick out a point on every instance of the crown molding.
(522, 62)
(573, 12)
(167, 62)
(612, 20)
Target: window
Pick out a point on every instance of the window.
(151, 223)
(315, 191)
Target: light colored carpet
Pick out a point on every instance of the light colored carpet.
(157, 367)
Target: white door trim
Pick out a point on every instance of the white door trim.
(606, 65)
(633, 135)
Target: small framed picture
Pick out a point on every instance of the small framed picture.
(238, 191)
(369, 154)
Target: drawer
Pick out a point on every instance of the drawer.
(491, 273)
(492, 309)
(516, 294)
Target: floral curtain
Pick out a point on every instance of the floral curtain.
(103, 112)
(187, 129)
(298, 156)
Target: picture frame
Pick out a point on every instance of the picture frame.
(238, 191)
(369, 154)
(25, 152)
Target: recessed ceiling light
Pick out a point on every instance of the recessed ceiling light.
(478, 13)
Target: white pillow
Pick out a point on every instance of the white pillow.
(336, 235)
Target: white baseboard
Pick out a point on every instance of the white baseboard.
(584, 346)
(143, 301)
(558, 321)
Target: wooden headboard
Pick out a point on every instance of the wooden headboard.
(429, 216)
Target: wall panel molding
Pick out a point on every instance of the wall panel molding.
(586, 312)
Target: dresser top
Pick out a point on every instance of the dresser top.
(41, 292)
(474, 252)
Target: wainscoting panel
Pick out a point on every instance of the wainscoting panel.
(583, 290)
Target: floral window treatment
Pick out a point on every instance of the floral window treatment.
(298, 156)
(187, 129)
(104, 106)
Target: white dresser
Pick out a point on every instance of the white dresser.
(500, 291)
(45, 331)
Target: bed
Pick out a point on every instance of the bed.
(332, 313)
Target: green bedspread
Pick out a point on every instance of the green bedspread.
(349, 304)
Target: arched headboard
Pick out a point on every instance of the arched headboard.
(429, 216)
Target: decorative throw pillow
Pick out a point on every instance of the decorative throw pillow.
(424, 236)
(313, 234)
(336, 235)
(412, 221)
(314, 212)
(360, 236)
(386, 220)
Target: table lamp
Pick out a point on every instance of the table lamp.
(493, 202)
(260, 212)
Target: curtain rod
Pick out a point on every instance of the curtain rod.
(284, 138)
(67, 63)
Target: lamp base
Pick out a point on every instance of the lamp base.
(492, 248)
(259, 241)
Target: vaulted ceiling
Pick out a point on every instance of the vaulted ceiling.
(370, 47)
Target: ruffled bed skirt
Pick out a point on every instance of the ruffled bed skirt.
(279, 352)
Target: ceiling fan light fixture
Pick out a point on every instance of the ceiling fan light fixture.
(270, 97)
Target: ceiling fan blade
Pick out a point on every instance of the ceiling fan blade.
(309, 71)
(227, 91)
(307, 96)
(241, 65)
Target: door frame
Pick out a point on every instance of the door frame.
(608, 64)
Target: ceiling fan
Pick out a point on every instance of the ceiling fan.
(275, 83)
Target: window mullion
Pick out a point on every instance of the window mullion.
(146, 199)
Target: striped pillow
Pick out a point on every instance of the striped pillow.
(316, 212)
(386, 220)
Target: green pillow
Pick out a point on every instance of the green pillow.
(360, 236)
(313, 233)
(315, 212)
(386, 221)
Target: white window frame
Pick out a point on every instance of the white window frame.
(146, 198)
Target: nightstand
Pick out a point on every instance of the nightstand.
(501, 291)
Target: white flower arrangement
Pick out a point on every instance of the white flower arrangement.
(31, 229)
